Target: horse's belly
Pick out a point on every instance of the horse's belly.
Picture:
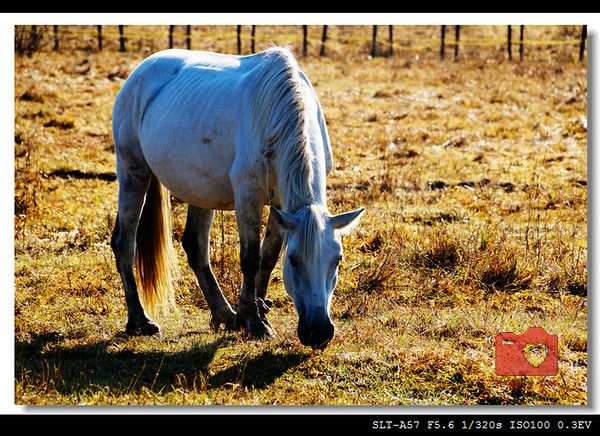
(197, 173)
(214, 194)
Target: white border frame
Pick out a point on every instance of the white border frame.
(7, 22)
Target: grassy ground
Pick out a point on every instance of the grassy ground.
(474, 179)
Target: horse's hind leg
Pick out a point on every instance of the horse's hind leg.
(134, 178)
(196, 243)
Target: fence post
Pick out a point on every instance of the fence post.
(99, 27)
(509, 42)
(171, 29)
(442, 45)
(304, 40)
(55, 37)
(582, 44)
(239, 39)
(521, 33)
(253, 34)
(121, 38)
(323, 41)
(391, 40)
(374, 43)
(188, 37)
(456, 40)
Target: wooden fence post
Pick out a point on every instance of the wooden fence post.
(253, 35)
(374, 43)
(391, 40)
(171, 29)
(442, 45)
(521, 33)
(188, 37)
(304, 41)
(323, 41)
(239, 39)
(121, 38)
(456, 40)
(582, 44)
(55, 37)
(99, 28)
(509, 42)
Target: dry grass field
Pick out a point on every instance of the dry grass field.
(474, 178)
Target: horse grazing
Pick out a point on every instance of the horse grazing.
(225, 132)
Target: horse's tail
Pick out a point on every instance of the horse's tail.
(154, 255)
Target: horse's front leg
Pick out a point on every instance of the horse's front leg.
(269, 253)
(248, 212)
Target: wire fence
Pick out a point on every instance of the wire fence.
(374, 41)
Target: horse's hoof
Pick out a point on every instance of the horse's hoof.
(228, 319)
(252, 318)
(259, 328)
(146, 328)
(263, 306)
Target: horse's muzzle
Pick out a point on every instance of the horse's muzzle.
(316, 335)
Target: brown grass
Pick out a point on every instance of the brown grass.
(474, 178)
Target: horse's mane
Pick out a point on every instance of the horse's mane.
(279, 115)
(280, 95)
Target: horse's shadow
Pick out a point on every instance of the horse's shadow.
(87, 368)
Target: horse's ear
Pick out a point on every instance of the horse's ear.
(284, 220)
(345, 222)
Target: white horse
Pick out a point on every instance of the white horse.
(236, 133)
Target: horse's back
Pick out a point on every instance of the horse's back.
(150, 77)
(189, 112)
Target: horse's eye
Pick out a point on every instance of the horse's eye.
(293, 261)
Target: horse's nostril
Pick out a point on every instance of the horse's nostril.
(304, 334)
(330, 330)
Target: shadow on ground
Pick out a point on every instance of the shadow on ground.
(85, 368)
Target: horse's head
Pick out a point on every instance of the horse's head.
(310, 266)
